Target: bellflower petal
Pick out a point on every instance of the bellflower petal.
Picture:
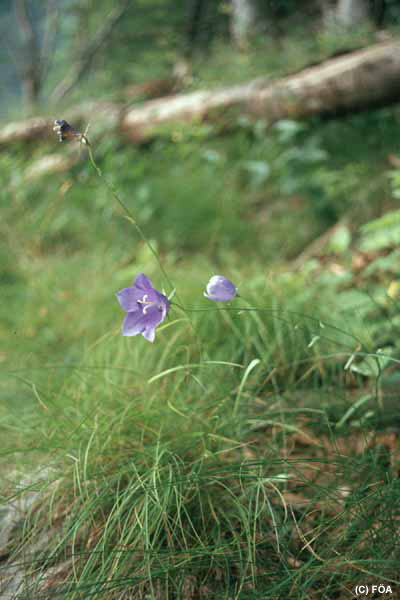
(143, 283)
(145, 306)
(128, 297)
(220, 289)
(133, 323)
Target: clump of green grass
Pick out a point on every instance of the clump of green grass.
(201, 482)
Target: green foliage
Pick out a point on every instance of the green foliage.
(382, 232)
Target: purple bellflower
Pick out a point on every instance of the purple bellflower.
(146, 308)
(220, 289)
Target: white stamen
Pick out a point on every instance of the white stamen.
(146, 303)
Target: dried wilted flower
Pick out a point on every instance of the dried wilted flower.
(66, 132)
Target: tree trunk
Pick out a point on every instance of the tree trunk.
(328, 13)
(194, 25)
(352, 13)
(378, 12)
(353, 82)
(243, 22)
(31, 64)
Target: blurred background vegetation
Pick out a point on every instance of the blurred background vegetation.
(214, 456)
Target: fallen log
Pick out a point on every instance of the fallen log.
(23, 131)
(352, 82)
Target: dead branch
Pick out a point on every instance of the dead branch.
(83, 62)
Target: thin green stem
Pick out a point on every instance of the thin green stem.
(277, 311)
(129, 215)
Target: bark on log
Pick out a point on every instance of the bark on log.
(23, 131)
(357, 81)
